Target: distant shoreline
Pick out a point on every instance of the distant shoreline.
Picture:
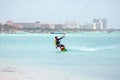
(59, 32)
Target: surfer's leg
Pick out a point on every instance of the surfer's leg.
(58, 45)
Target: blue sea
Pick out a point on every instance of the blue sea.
(90, 55)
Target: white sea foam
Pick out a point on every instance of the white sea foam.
(83, 48)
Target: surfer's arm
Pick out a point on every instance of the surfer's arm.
(62, 37)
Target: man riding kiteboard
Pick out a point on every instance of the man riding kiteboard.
(58, 44)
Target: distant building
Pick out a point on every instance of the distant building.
(95, 21)
(25, 25)
(100, 24)
(105, 23)
(86, 27)
(52, 26)
(10, 22)
(37, 24)
(44, 26)
(58, 26)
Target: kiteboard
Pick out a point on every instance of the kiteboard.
(63, 48)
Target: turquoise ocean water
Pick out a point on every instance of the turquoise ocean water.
(88, 53)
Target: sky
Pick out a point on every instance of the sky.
(58, 11)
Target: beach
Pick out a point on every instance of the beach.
(90, 56)
(85, 73)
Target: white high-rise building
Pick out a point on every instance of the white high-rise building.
(100, 24)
